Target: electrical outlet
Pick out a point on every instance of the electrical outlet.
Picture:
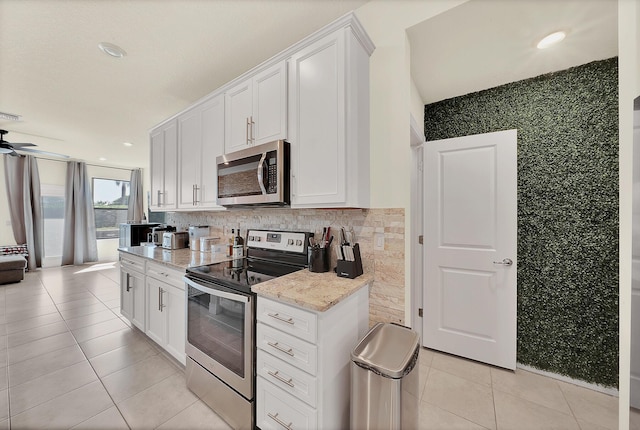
(378, 241)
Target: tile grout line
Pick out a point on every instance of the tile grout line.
(92, 368)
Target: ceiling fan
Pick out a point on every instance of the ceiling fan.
(11, 148)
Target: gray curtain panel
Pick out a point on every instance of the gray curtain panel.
(79, 244)
(135, 209)
(23, 191)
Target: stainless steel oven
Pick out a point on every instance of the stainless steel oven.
(221, 321)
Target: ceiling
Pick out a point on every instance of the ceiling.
(485, 43)
(78, 101)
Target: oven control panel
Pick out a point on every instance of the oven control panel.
(279, 240)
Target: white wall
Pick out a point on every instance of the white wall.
(6, 234)
(417, 107)
(391, 104)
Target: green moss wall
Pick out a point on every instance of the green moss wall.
(567, 126)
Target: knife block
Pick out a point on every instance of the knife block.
(350, 269)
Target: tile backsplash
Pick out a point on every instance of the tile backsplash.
(388, 288)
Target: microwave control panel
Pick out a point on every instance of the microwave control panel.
(272, 176)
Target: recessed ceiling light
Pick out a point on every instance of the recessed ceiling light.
(102, 159)
(111, 49)
(551, 39)
(127, 143)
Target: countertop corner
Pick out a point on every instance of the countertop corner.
(315, 291)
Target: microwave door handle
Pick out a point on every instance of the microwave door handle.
(260, 170)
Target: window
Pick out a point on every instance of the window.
(110, 203)
(52, 197)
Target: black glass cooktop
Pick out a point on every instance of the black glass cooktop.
(241, 274)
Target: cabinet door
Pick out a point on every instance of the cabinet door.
(157, 168)
(126, 294)
(189, 156)
(169, 198)
(175, 319)
(155, 316)
(138, 309)
(238, 106)
(164, 144)
(212, 147)
(270, 104)
(317, 122)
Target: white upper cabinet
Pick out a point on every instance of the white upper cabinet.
(201, 140)
(256, 109)
(164, 147)
(329, 120)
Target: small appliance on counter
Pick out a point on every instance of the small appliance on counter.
(175, 240)
(195, 233)
(156, 235)
(134, 234)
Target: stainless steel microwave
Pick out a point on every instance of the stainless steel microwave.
(255, 176)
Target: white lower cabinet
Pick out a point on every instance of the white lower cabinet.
(166, 311)
(303, 362)
(132, 290)
(152, 298)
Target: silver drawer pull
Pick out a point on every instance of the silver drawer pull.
(280, 378)
(279, 348)
(279, 421)
(278, 317)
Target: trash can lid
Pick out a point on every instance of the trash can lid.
(387, 348)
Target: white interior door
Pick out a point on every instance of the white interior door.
(470, 233)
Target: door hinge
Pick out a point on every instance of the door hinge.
(420, 312)
(420, 239)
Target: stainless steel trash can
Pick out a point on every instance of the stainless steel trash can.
(384, 379)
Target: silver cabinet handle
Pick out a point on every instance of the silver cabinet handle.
(195, 194)
(279, 348)
(246, 130)
(160, 304)
(159, 194)
(251, 127)
(505, 262)
(280, 378)
(128, 282)
(279, 421)
(278, 317)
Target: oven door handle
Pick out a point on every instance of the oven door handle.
(217, 293)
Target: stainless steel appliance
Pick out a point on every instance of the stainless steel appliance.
(221, 321)
(157, 233)
(175, 240)
(134, 234)
(256, 175)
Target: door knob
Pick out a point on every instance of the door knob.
(505, 262)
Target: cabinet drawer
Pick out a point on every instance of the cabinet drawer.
(276, 409)
(289, 319)
(130, 262)
(292, 380)
(165, 274)
(290, 349)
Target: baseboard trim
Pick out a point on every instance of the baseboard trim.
(595, 387)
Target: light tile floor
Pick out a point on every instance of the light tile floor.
(68, 359)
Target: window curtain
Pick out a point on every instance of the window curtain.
(79, 244)
(23, 192)
(135, 209)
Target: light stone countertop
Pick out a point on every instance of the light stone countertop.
(315, 291)
(176, 258)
